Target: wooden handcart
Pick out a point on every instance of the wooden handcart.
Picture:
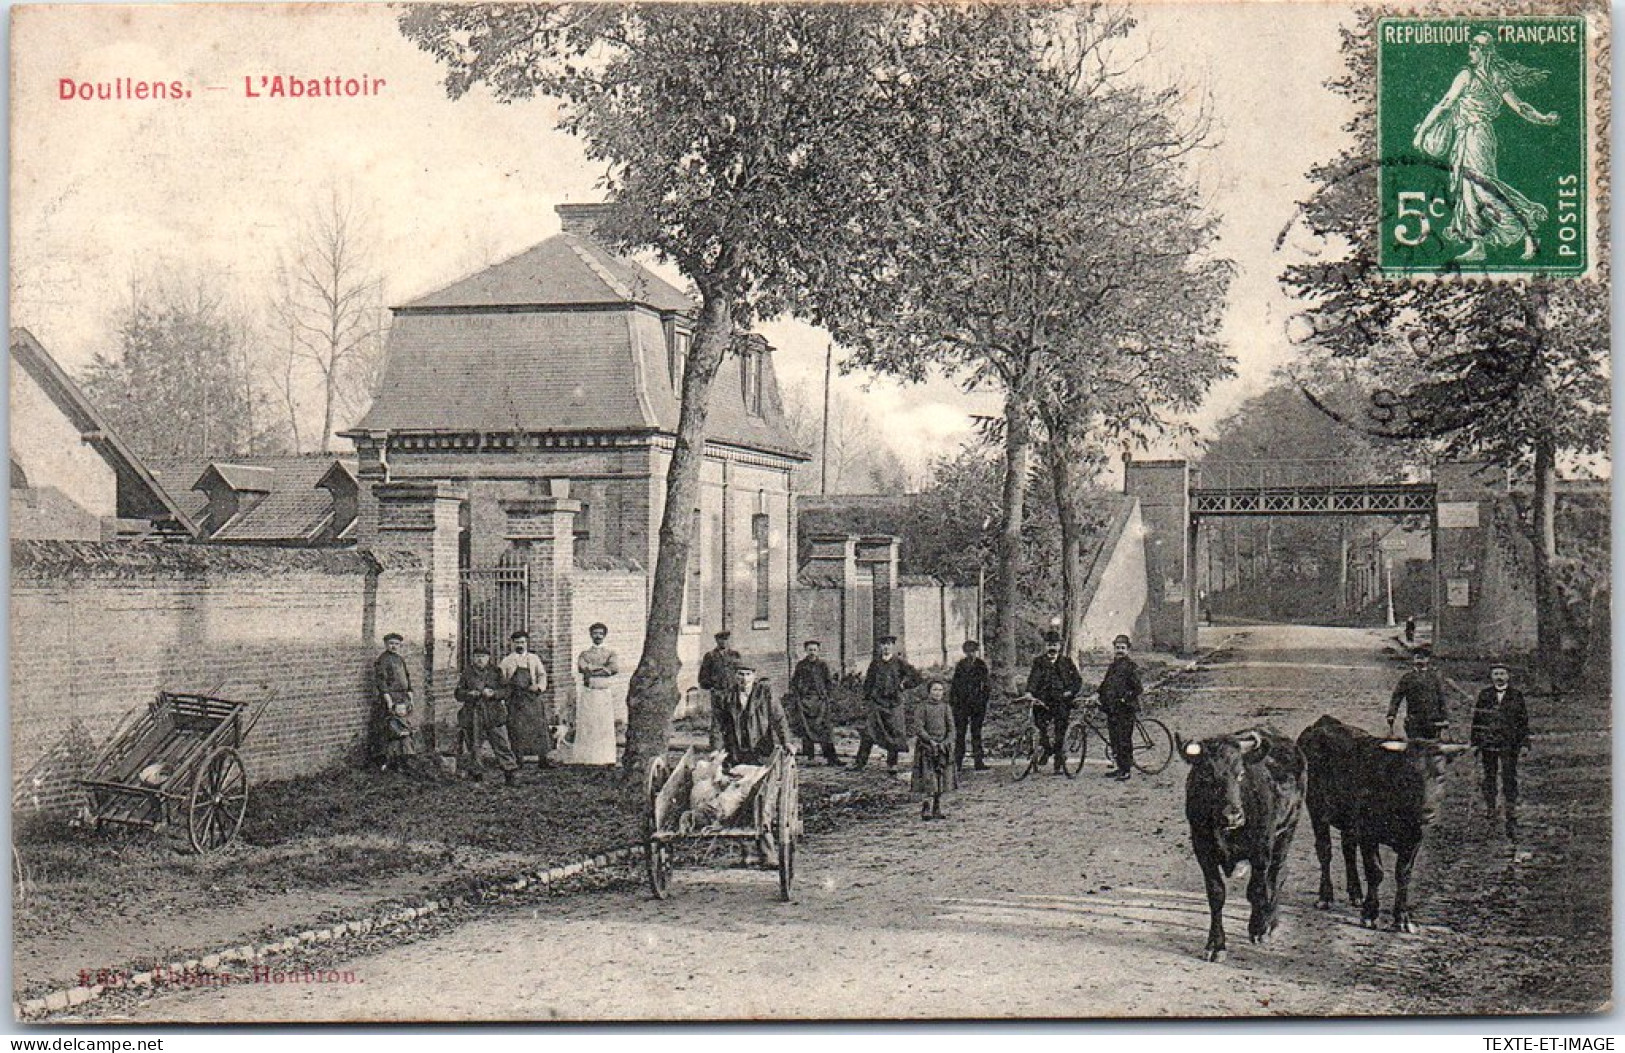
(773, 812)
(176, 763)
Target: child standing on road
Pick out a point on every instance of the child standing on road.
(934, 770)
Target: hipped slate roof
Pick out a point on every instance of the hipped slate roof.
(562, 338)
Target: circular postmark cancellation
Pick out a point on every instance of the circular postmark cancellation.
(1482, 124)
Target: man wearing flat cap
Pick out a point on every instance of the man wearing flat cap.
(811, 687)
(885, 725)
(1055, 681)
(719, 678)
(968, 696)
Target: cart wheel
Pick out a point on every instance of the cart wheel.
(218, 801)
(656, 853)
(784, 832)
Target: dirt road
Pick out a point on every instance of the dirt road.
(1048, 897)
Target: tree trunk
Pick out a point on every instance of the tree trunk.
(327, 407)
(1007, 592)
(1062, 475)
(1548, 602)
(652, 692)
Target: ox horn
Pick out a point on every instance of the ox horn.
(1249, 741)
(1190, 749)
(1451, 749)
(1395, 745)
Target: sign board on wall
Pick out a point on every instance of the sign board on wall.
(1458, 592)
(1458, 514)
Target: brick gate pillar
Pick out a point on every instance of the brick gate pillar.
(1164, 492)
(832, 557)
(541, 536)
(423, 518)
(879, 554)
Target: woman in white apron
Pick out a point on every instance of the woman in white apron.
(595, 711)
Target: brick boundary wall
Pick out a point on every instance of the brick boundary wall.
(99, 628)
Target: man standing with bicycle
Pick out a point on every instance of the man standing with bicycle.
(1120, 692)
(1055, 681)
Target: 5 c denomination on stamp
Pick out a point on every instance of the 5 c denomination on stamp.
(1482, 127)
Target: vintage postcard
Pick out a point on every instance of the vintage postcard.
(809, 512)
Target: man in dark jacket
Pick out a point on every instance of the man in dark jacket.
(967, 695)
(391, 727)
(484, 715)
(762, 723)
(1421, 692)
(885, 723)
(1055, 681)
(719, 678)
(1119, 694)
(1501, 731)
(811, 687)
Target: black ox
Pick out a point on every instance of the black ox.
(1242, 799)
(1375, 792)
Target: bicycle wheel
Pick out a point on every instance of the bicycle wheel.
(1153, 745)
(1077, 746)
(1030, 747)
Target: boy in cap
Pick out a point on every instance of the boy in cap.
(484, 716)
(967, 696)
(1119, 693)
(887, 678)
(391, 728)
(1055, 681)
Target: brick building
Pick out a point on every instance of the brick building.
(540, 397)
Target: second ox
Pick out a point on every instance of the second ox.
(1376, 792)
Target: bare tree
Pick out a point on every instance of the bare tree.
(329, 308)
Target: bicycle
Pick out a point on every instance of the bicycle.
(1153, 742)
(1025, 752)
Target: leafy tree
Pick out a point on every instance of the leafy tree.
(1009, 251)
(329, 308)
(1515, 372)
(740, 144)
(181, 383)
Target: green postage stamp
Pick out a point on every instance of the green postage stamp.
(1481, 127)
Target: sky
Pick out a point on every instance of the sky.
(104, 190)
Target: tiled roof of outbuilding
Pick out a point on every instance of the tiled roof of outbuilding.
(563, 270)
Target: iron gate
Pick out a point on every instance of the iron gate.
(496, 602)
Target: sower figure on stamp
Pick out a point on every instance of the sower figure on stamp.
(391, 745)
(484, 716)
(1421, 692)
(1501, 732)
(889, 676)
(529, 721)
(968, 696)
(811, 687)
(1055, 681)
(1119, 694)
(719, 678)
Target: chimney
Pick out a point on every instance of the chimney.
(582, 220)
